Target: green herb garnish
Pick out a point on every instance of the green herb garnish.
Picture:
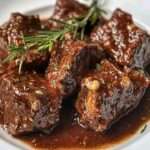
(45, 40)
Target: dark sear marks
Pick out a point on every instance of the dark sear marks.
(79, 75)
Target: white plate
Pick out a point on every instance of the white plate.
(141, 12)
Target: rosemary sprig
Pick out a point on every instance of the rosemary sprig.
(16, 52)
(45, 40)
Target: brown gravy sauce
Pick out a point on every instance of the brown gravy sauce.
(69, 135)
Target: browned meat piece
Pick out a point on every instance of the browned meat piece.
(65, 9)
(123, 40)
(28, 104)
(12, 32)
(17, 26)
(108, 94)
(69, 63)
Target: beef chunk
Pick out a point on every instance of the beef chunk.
(11, 34)
(123, 40)
(108, 94)
(69, 63)
(28, 104)
(3, 54)
(65, 9)
(19, 25)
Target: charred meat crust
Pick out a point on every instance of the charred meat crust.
(108, 94)
(17, 26)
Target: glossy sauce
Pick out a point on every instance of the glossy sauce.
(69, 135)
